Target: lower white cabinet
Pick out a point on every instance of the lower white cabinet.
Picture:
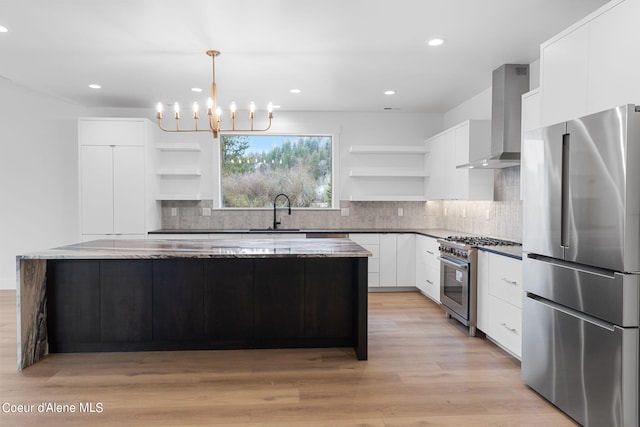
(371, 242)
(500, 300)
(427, 267)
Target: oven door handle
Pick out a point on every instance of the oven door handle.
(459, 266)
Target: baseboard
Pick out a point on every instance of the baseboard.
(8, 283)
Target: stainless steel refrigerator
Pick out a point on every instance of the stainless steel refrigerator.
(581, 270)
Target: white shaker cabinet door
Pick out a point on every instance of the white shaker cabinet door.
(128, 190)
(406, 259)
(96, 189)
(388, 263)
(564, 77)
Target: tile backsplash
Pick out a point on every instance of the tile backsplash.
(500, 218)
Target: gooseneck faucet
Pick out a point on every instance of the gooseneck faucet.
(275, 222)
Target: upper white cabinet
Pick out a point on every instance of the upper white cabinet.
(381, 173)
(593, 65)
(531, 120)
(114, 178)
(457, 146)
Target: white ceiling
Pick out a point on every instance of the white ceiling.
(342, 54)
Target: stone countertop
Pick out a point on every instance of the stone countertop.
(431, 232)
(224, 248)
(438, 233)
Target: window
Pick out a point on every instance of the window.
(256, 168)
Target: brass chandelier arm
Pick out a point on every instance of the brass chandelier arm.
(214, 112)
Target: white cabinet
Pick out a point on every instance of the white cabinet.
(563, 76)
(500, 300)
(406, 260)
(397, 260)
(428, 267)
(370, 242)
(388, 262)
(531, 121)
(457, 146)
(592, 65)
(382, 173)
(114, 185)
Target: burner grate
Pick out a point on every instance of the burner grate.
(481, 241)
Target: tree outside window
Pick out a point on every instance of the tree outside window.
(255, 168)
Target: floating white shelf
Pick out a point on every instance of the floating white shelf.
(179, 172)
(383, 198)
(388, 172)
(387, 149)
(179, 197)
(178, 146)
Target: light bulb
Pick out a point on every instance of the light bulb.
(270, 108)
(159, 107)
(176, 107)
(209, 103)
(252, 107)
(233, 107)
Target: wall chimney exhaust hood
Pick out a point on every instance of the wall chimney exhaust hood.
(510, 81)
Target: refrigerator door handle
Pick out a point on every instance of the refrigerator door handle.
(565, 192)
(608, 274)
(573, 313)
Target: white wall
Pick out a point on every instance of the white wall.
(38, 175)
(475, 108)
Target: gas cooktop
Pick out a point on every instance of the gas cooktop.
(480, 241)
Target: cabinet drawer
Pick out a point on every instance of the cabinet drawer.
(505, 279)
(432, 283)
(505, 325)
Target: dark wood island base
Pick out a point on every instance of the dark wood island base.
(198, 299)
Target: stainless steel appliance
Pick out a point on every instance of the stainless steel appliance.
(582, 266)
(458, 276)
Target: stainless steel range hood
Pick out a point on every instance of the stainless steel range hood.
(510, 81)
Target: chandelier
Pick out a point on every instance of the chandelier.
(214, 111)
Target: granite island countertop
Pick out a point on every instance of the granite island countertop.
(225, 248)
(438, 233)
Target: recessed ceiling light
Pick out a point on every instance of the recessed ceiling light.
(95, 86)
(276, 106)
(196, 89)
(435, 42)
(295, 91)
(3, 29)
(389, 92)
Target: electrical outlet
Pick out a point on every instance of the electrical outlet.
(206, 211)
(464, 212)
(446, 211)
(487, 214)
(174, 211)
(400, 212)
(344, 211)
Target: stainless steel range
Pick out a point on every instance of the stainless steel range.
(458, 276)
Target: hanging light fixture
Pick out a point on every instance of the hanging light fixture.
(214, 111)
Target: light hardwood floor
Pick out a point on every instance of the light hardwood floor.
(422, 370)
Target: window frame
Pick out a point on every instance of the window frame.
(335, 168)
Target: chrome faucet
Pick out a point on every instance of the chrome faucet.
(275, 222)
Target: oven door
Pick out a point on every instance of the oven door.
(454, 289)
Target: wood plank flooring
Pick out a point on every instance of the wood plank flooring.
(422, 371)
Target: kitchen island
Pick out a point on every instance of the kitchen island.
(149, 295)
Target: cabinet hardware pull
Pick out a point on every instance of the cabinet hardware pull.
(430, 252)
(511, 282)
(429, 282)
(514, 330)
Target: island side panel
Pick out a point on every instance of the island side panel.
(361, 308)
(32, 311)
